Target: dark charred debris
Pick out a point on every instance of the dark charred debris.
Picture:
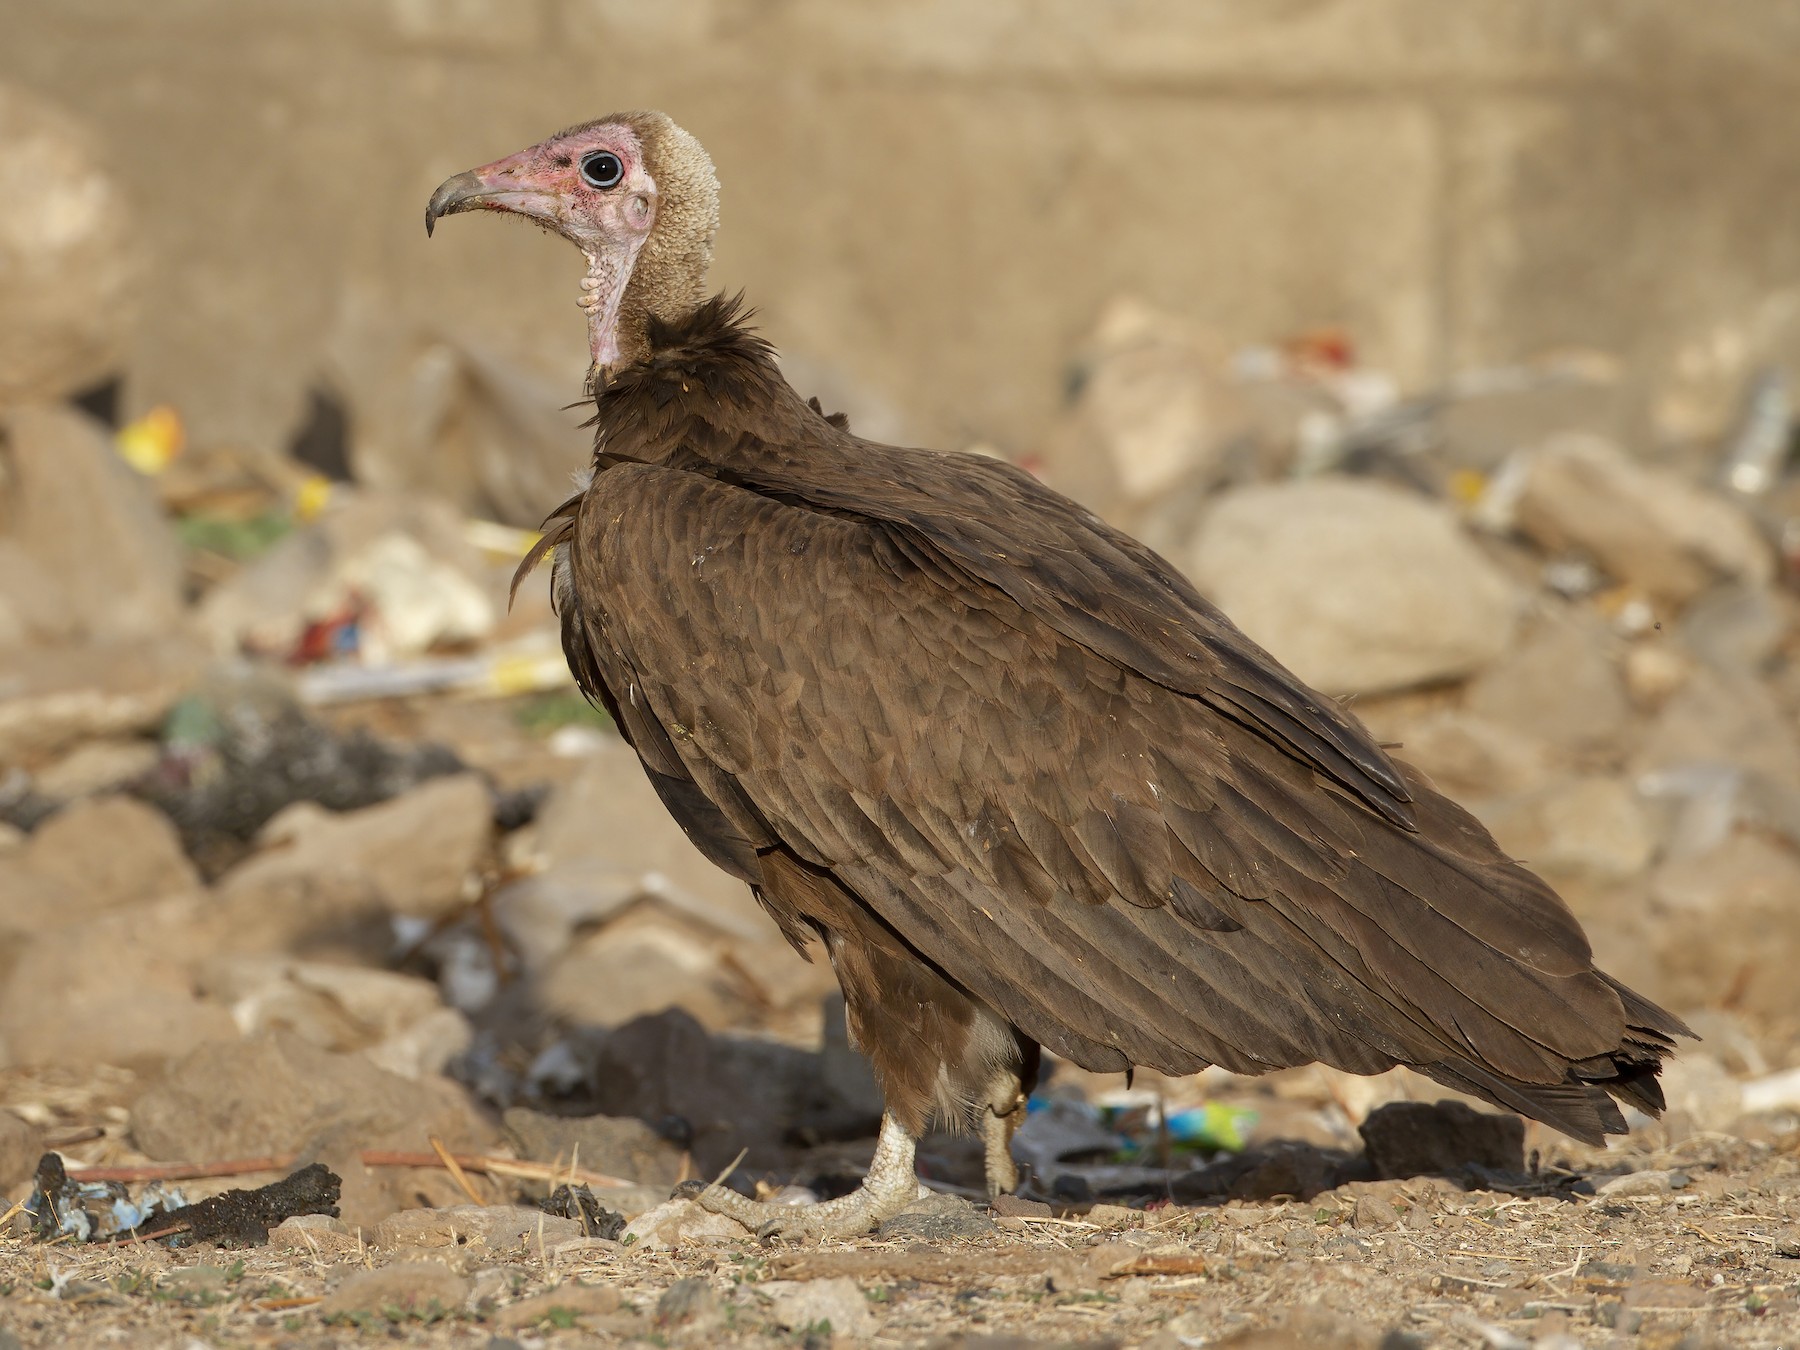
(580, 1203)
(62, 1207)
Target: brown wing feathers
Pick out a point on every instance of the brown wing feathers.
(1032, 750)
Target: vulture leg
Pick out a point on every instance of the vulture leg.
(890, 1187)
(997, 1126)
(1000, 1110)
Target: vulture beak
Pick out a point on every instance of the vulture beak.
(505, 185)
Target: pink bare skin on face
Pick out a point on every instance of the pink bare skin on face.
(589, 185)
(637, 195)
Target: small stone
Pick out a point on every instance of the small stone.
(411, 1287)
(21, 1145)
(86, 553)
(621, 1146)
(96, 766)
(317, 1234)
(1408, 1139)
(937, 1218)
(1015, 1207)
(801, 1305)
(490, 1284)
(1115, 1216)
(679, 1223)
(498, 1228)
(1635, 1184)
(559, 1305)
(1375, 1211)
(197, 1280)
(687, 1302)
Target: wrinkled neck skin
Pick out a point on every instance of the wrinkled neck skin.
(615, 335)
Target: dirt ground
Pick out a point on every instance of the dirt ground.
(1694, 1242)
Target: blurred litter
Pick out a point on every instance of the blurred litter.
(530, 664)
(92, 1211)
(238, 750)
(1757, 449)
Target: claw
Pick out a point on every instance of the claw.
(891, 1185)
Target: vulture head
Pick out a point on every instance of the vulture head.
(635, 193)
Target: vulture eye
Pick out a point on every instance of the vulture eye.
(601, 169)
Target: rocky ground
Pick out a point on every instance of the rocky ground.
(312, 865)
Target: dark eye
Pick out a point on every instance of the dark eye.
(601, 169)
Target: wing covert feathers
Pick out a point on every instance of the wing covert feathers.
(1039, 757)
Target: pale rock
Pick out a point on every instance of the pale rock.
(1560, 684)
(1115, 1216)
(333, 911)
(1725, 926)
(1645, 525)
(502, 1230)
(1356, 586)
(1635, 1185)
(57, 696)
(605, 841)
(1156, 406)
(573, 1299)
(422, 1287)
(1699, 1089)
(277, 1094)
(398, 1020)
(111, 852)
(31, 902)
(628, 969)
(689, 1304)
(1738, 627)
(680, 1223)
(70, 256)
(21, 1145)
(318, 1235)
(425, 1048)
(1773, 1092)
(1592, 827)
(415, 853)
(96, 766)
(1722, 717)
(622, 1146)
(1654, 672)
(86, 555)
(1463, 754)
(799, 1305)
(114, 989)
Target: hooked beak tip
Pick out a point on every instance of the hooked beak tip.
(453, 195)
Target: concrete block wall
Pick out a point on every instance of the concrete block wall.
(932, 199)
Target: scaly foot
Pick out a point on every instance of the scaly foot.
(890, 1187)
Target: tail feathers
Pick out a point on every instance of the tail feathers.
(1577, 1109)
(1581, 1106)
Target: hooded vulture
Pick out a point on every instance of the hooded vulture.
(1023, 783)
